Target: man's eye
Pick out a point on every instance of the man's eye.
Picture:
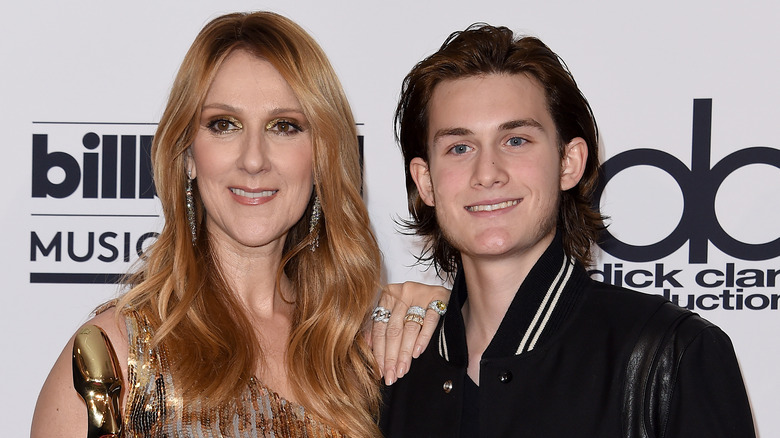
(516, 141)
(460, 149)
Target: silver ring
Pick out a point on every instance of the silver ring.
(416, 310)
(438, 306)
(380, 314)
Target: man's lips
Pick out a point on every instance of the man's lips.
(493, 207)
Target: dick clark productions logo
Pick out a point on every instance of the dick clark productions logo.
(699, 185)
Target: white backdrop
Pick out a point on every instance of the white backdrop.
(83, 81)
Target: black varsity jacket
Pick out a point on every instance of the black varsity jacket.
(575, 358)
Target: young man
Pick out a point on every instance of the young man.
(501, 161)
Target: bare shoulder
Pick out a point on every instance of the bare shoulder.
(60, 411)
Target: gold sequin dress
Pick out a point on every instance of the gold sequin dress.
(153, 410)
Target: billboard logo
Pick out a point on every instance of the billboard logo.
(699, 185)
(94, 204)
(107, 168)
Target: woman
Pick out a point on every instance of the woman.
(266, 239)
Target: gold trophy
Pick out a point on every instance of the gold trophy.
(96, 377)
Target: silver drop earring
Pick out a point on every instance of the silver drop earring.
(314, 224)
(190, 207)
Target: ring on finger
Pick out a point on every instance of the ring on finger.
(416, 310)
(380, 314)
(411, 317)
(438, 306)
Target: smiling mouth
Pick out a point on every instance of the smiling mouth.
(263, 194)
(493, 207)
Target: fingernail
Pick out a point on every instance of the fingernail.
(389, 377)
(417, 351)
(401, 371)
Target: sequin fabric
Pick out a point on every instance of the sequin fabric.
(153, 410)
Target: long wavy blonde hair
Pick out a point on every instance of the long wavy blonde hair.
(179, 287)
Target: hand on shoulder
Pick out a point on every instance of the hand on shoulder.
(396, 339)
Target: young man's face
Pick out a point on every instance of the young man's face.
(495, 172)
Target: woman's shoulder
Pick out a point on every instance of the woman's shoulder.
(60, 410)
(112, 322)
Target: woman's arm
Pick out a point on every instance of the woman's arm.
(60, 410)
(396, 341)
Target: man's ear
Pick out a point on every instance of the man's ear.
(575, 156)
(421, 175)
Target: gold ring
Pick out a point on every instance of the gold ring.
(414, 318)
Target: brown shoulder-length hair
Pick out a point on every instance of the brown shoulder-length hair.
(482, 49)
(179, 287)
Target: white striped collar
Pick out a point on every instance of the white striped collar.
(530, 315)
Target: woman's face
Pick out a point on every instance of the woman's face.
(252, 155)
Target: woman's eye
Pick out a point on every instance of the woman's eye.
(460, 149)
(223, 125)
(283, 127)
(516, 141)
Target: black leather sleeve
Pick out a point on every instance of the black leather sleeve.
(683, 380)
(709, 397)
